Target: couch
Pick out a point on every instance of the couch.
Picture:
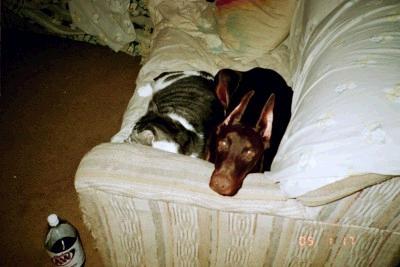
(332, 197)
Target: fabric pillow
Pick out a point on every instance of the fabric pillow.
(253, 27)
(346, 104)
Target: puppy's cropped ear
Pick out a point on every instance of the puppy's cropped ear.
(236, 114)
(264, 124)
(225, 79)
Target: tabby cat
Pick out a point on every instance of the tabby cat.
(182, 114)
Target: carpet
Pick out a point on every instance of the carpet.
(59, 98)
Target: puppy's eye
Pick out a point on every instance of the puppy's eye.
(223, 145)
(248, 154)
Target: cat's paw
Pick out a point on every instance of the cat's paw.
(145, 90)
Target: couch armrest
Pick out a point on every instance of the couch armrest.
(138, 171)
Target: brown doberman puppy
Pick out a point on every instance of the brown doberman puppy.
(257, 103)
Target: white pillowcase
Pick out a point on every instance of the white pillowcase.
(346, 104)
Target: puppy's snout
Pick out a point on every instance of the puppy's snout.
(223, 185)
(220, 184)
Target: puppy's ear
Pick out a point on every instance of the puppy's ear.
(226, 81)
(236, 114)
(264, 124)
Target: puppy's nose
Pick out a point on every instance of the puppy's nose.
(222, 185)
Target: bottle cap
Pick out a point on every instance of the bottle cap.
(53, 220)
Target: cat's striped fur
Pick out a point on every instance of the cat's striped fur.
(182, 114)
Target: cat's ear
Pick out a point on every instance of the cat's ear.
(226, 80)
(264, 124)
(152, 108)
(236, 114)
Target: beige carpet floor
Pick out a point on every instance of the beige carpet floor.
(59, 99)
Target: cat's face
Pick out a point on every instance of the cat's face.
(144, 137)
(155, 138)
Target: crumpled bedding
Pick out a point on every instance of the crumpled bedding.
(108, 20)
(95, 22)
(345, 113)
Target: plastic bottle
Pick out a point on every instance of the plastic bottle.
(63, 243)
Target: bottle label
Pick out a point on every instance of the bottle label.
(72, 257)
